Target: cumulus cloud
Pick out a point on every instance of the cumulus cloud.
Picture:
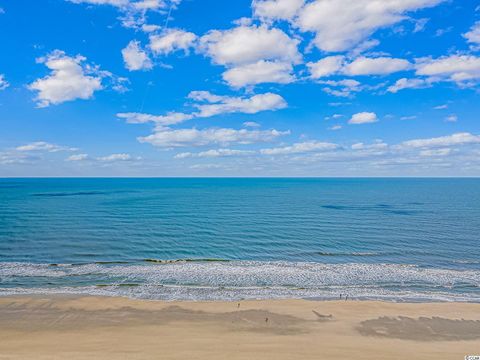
(332, 65)
(473, 36)
(171, 40)
(302, 147)
(327, 66)
(252, 54)
(277, 9)
(249, 44)
(259, 72)
(461, 69)
(169, 138)
(363, 118)
(404, 83)
(211, 105)
(376, 66)
(43, 146)
(340, 25)
(69, 79)
(3, 83)
(135, 58)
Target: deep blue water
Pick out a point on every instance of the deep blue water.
(400, 239)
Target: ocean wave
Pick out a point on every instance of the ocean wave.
(326, 253)
(206, 293)
(206, 279)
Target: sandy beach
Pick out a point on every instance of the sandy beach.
(62, 327)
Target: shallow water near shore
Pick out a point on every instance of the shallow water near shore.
(226, 239)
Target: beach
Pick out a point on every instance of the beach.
(88, 327)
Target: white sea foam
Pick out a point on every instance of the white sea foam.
(243, 279)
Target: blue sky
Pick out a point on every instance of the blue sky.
(239, 88)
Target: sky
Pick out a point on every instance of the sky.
(239, 88)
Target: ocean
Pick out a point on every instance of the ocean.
(400, 239)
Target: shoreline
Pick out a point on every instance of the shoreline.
(387, 300)
(81, 327)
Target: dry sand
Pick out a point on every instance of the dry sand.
(63, 327)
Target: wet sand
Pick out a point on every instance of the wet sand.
(61, 327)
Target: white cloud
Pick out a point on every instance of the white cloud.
(105, 159)
(68, 80)
(441, 107)
(150, 4)
(435, 152)
(172, 40)
(375, 148)
(342, 88)
(340, 25)
(405, 83)
(473, 36)
(205, 166)
(451, 118)
(335, 127)
(251, 124)
(150, 28)
(408, 117)
(420, 24)
(462, 69)
(133, 11)
(10, 158)
(215, 153)
(135, 57)
(171, 118)
(442, 141)
(332, 65)
(43, 146)
(276, 9)
(3, 83)
(376, 66)
(363, 118)
(249, 44)
(216, 105)
(116, 157)
(208, 104)
(259, 72)
(117, 3)
(193, 137)
(298, 148)
(327, 66)
(78, 157)
(362, 47)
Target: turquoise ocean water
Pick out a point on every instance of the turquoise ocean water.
(204, 239)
